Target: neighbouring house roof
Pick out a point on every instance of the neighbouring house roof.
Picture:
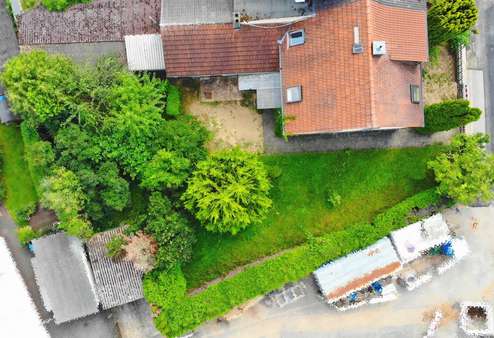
(117, 281)
(253, 10)
(18, 315)
(357, 270)
(343, 91)
(64, 277)
(193, 12)
(218, 49)
(412, 240)
(144, 52)
(98, 21)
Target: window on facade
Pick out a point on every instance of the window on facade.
(296, 38)
(294, 94)
(415, 94)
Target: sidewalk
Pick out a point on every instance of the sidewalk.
(476, 95)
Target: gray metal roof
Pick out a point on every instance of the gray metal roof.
(267, 86)
(252, 10)
(64, 277)
(117, 281)
(357, 270)
(144, 52)
(189, 12)
(268, 98)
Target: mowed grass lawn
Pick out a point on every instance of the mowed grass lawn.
(368, 182)
(18, 184)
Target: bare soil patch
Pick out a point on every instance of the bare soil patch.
(439, 78)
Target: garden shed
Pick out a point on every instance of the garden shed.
(411, 241)
(358, 270)
(64, 277)
(18, 315)
(118, 282)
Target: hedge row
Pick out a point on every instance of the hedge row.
(448, 115)
(173, 101)
(2, 183)
(180, 313)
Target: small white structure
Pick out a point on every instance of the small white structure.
(358, 270)
(411, 241)
(18, 315)
(476, 319)
(144, 52)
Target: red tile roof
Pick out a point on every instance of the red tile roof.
(343, 91)
(218, 49)
(101, 20)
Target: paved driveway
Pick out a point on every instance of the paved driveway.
(471, 279)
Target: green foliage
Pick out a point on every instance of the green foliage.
(170, 230)
(461, 40)
(279, 124)
(62, 192)
(173, 101)
(447, 19)
(26, 234)
(185, 313)
(114, 189)
(334, 199)
(228, 191)
(24, 213)
(466, 172)
(115, 247)
(274, 171)
(448, 115)
(2, 184)
(60, 5)
(166, 170)
(40, 87)
(76, 226)
(39, 154)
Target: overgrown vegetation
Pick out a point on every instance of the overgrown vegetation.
(447, 19)
(448, 115)
(465, 172)
(179, 313)
(26, 234)
(367, 181)
(115, 247)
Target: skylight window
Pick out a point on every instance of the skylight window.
(294, 94)
(296, 38)
(415, 94)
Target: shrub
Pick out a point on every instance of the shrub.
(115, 247)
(185, 313)
(279, 124)
(447, 19)
(23, 214)
(448, 115)
(26, 234)
(60, 5)
(228, 191)
(173, 102)
(466, 172)
(77, 227)
(334, 199)
(165, 288)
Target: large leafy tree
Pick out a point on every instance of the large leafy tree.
(40, 87)
(447, 19)
(166, 170)
(466, 171)
(228, 191)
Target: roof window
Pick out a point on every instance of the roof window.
(415, 94)
(296, 38)
(294, 94)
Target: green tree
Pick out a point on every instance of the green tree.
(40, 87)
(115, 191)
(77, 227)
(448, 115)
(26, 234)
(228, 191)
(447, 19)
(465, 172)
(62, 192)
(166, 170)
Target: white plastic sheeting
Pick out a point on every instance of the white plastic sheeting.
(18, 315)
(412, 240)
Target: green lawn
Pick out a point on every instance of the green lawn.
(18, 183)
(368, 181)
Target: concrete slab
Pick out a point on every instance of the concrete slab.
(476, 95)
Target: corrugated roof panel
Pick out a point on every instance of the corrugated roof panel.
(357, 270)
(144, 52)
(259, 81)
(193, 12)
(268, 98)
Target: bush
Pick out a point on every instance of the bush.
(23, 214)
(115, 247)
(447, 19)
(185, 313)
(334, 199)
(448, 115)
(26, 234)
(279, 124)
(173, 103)
(228, 191)
(60, 5)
